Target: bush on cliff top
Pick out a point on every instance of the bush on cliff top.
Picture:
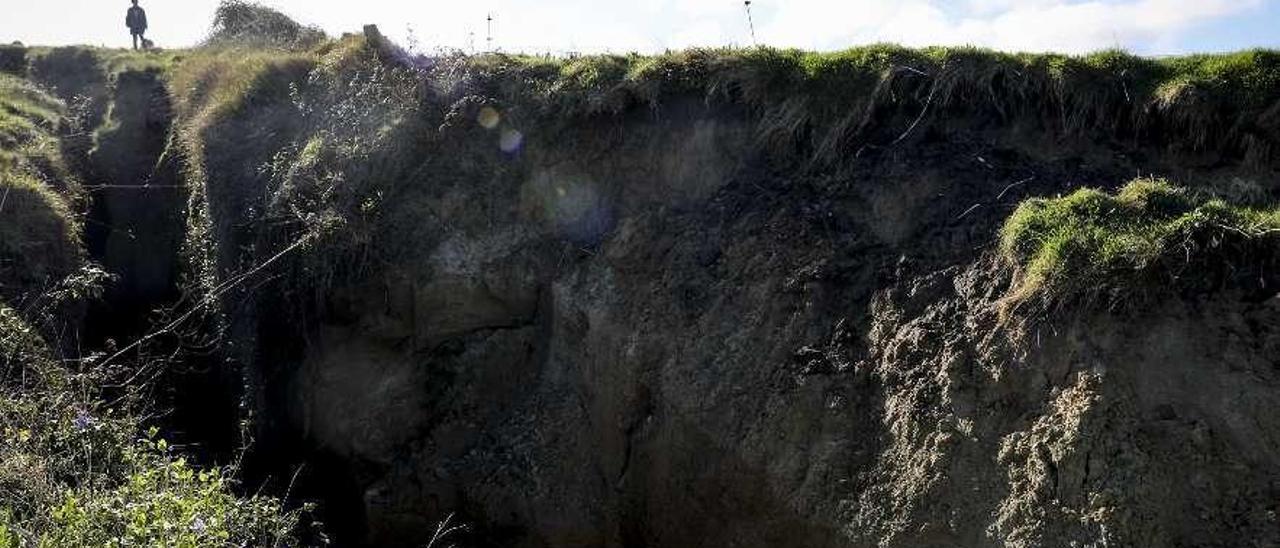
(13, 59)
(241, 23)
(1092, 246)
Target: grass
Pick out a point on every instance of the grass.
(1092, 246)
(832, 100)
(83, 66)
(221, 83)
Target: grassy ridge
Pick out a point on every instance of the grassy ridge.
(39, 235)
(831, 104)
(1222, 103)
(1146, 238)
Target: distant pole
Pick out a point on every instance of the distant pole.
(751, 23)
(471, 42)
(488, 40)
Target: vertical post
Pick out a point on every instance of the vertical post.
(751, 23)
(489, 30)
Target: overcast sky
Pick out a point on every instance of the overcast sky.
(1141, 26)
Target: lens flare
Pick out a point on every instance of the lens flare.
(571, 203)
(510, 140)
(489, 118)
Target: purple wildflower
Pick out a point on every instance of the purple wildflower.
(84, 421)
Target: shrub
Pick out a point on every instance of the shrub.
(71, 71)
(13, 59)
(75, 472)
(240, 23)
(163, 501)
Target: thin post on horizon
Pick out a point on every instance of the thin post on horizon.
(751, 23)
(488, 40)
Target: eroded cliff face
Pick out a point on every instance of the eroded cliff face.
(733, 367)
(649, 328)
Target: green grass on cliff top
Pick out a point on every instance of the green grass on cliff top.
(1216, 101)
(1221, 102)
(1248, 78)
(1150, 235)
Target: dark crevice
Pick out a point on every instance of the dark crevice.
(134, 229)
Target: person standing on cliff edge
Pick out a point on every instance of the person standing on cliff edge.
(136, 20)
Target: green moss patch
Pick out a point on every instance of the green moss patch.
(1149, 237)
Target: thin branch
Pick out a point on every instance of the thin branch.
(928, 103)
(204, 303)
(968, 211)
(1011, 187)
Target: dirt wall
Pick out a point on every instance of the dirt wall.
(651, 328)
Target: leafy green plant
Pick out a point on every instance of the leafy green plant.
(164, 502)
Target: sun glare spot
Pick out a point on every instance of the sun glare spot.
(489, 118)
(510, 140)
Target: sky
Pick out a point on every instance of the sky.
(1149, 27)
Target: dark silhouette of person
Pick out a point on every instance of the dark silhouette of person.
(136, 20)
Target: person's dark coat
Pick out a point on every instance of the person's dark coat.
(136, 20)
